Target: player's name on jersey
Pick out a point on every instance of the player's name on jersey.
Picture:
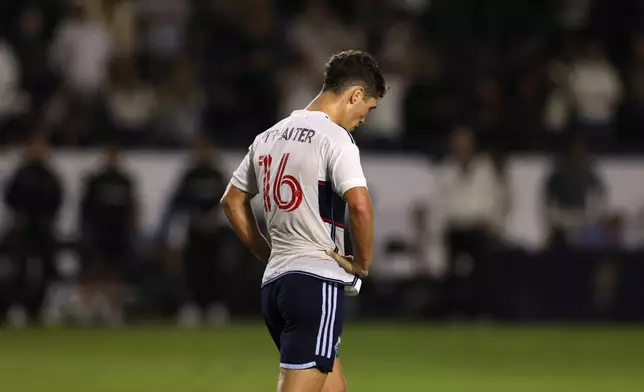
(302, 135)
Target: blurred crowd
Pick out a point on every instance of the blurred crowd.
(469, 81)
(111, 265)
(162, 72)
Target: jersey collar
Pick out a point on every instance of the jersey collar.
(304, 112)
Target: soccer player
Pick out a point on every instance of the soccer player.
(306, 169)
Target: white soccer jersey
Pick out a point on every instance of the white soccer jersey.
(300, 168)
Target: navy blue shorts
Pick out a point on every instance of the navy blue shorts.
(304, 316)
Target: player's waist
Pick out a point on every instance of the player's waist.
(354, 284)
(322, 267)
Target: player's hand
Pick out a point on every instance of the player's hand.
(347, 264)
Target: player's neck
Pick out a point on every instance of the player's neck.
(328, 103)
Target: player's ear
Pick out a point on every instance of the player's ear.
(357, 94)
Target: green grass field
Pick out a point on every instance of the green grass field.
(376, 358)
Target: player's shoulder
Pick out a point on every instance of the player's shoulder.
(263, 137)
(278, 125)
(333, 131)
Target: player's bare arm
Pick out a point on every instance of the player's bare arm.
(236, 206)
(361, 230)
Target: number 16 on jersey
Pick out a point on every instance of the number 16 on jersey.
(287, 205)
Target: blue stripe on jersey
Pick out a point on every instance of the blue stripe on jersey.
(332, 207)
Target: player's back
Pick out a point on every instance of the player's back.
(293, 164)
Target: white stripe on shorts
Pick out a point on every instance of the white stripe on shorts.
(332, 324)
(329, 305)
(327, 320)
(322, 319)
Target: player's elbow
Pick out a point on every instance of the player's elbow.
(358, 201)
(360, 208)
(226, 203)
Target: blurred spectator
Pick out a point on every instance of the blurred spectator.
(130, 104)
(31, 47)
(33, 195)
(197, 195)
(471, 195)
(403, 54)
(558, 106)
(181, 104)
(503, 198)
(162, 30)
(575, 196)
(469, 184)
(81, 50)
(401, 36)
(11, 101)
(299, 84)
(121, 19)
(318, 34)
(108, 228)
(385, 126)
(596, 90)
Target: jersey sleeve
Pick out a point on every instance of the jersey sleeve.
(343, 166)
(244, 177)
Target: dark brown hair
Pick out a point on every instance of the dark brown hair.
(354, 67)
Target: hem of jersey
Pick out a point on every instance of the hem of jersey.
(298, 367)
(353, 283)
(350, 184)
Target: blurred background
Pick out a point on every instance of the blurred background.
(506, 166)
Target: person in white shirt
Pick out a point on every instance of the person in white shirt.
(472, 209)
(81, 50)
(597, 91)
(306, 169)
